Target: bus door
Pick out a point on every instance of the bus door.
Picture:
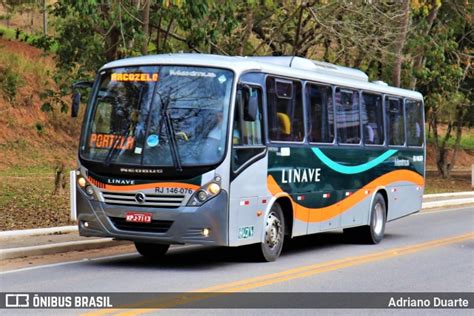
(248, 199)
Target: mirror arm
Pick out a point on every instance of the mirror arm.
(82, 84)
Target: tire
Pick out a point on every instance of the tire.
(151, 251)
(374, 232)
(270, 249)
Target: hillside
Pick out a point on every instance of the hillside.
(30, 138)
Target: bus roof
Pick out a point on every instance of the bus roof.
(287, 66)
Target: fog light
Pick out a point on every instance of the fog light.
(202, 196)
(213, 188)
(206, 232)
(86, 224)
(81, 181)
(89, 190)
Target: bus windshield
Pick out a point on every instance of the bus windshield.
(159, 116)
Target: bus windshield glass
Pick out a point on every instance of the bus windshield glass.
(159, 116)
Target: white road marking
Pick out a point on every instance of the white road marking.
(67, 263)
(131, 254)
(446, 210)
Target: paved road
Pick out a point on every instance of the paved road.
(427, 252)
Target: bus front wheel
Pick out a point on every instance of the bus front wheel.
(270, 248)
(372, 233)
(151, 251)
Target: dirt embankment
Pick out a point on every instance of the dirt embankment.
(464, 159)
(29, 137)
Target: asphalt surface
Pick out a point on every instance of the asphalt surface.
(427, 252)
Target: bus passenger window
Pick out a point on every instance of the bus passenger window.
(285, 110)
(395, 122)
(372, 119)
(414, 111)
(347, 116)
(321, 113)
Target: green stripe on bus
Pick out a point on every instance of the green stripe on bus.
(352, 169)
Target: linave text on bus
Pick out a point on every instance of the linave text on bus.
(300, 175)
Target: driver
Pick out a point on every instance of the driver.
(216, 132)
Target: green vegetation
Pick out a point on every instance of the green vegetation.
(466, 143)
(21, 66)
(7, 33)
(10, 81)
(22, 171)
(32, 39)
(415, 44)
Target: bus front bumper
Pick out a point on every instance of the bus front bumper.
(169, 225)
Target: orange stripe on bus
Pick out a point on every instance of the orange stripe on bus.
(324, 213)
(145, 186)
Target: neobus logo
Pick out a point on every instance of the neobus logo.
(136, 170)
(300, 175)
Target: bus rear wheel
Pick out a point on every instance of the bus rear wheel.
(374, 232)
(151, 251)
(270, 249)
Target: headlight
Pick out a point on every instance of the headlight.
(81, 181)
(87, 187)
(214, 188)
(201, 196)
(206, 192)
(89, 190)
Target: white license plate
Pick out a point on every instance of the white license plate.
(134, 217)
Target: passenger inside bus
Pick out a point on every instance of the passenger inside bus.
(284, 126)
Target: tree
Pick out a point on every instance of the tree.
(400, 43)
(416, 44)
(442, 70)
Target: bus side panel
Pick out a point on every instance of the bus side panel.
(323, 199)
(403, 198)
(355, 215)
(248, 195)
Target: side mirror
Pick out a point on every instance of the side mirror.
(250, 102)
(76, 102)
(76, 96)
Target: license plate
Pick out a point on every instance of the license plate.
(133, 217)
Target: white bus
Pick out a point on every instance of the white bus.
(233, 151)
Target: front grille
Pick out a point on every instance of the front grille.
(153, 227)
(152, 199)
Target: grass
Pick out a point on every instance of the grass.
(10, 33)
(467, 139)
(457, 183)
(27, 171)
(27, 202)
(23, 65)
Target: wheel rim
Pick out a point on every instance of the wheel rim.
(273, 231)
(378, 219)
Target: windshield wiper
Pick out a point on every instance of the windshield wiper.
(166, 119)
(114, 149)
(170, 129)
